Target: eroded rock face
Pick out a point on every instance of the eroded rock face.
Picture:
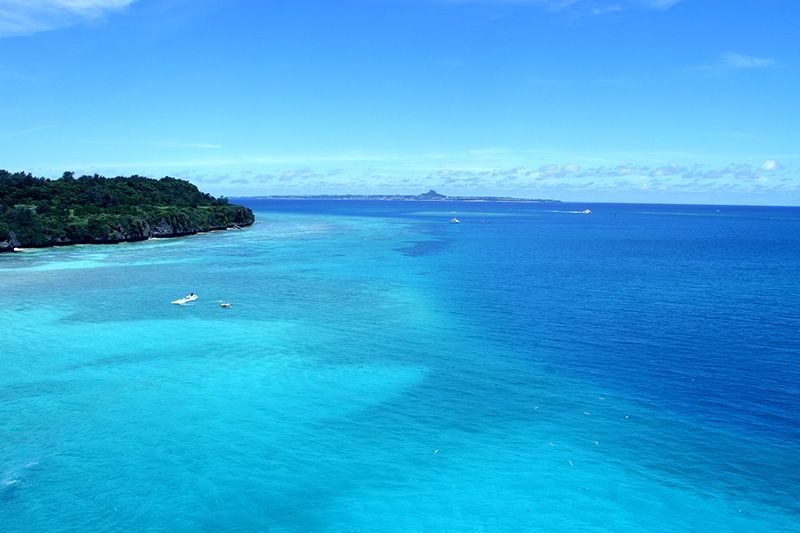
(176, 226)
(58, 241)
(10, 243)
(163, 228)
(127, 230)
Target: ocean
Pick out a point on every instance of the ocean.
(381, 369)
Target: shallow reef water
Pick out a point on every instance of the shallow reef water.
(380, 369)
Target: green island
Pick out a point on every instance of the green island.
(39, 212)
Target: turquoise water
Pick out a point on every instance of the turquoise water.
(383, 370)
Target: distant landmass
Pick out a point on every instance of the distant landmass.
(38, 212)
(430, 196)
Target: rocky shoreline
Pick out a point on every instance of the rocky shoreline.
(165, 229)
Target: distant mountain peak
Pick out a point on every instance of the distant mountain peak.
(431, 194)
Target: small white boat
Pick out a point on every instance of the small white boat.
(185, 300)
(454, 220)
(586, 212)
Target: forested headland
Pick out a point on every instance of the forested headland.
(38, 212)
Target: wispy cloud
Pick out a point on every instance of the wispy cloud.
(20, 133)
(618, 179)
(157, 144)
(24, 17)
(584, 7)
(735, 60)
(734, 172)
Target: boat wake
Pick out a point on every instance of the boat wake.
(12, 479)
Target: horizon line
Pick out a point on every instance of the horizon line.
(537, 200)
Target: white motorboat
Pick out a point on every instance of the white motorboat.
(186, 299)
(454, 220)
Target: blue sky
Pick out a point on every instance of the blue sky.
(620, 100)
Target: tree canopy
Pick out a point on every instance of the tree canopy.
(70, 210)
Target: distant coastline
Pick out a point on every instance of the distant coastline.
(430, 196)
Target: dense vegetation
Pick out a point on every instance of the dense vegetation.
(93, 209)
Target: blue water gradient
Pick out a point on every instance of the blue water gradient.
(383, 370)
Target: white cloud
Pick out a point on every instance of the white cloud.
(735, 60)
(591, 7)
(660, 4)
(20, 133)
(24, 17)
(621, 176)
(154, 143)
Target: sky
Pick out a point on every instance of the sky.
(664, 101)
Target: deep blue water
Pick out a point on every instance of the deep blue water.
(383, 370)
